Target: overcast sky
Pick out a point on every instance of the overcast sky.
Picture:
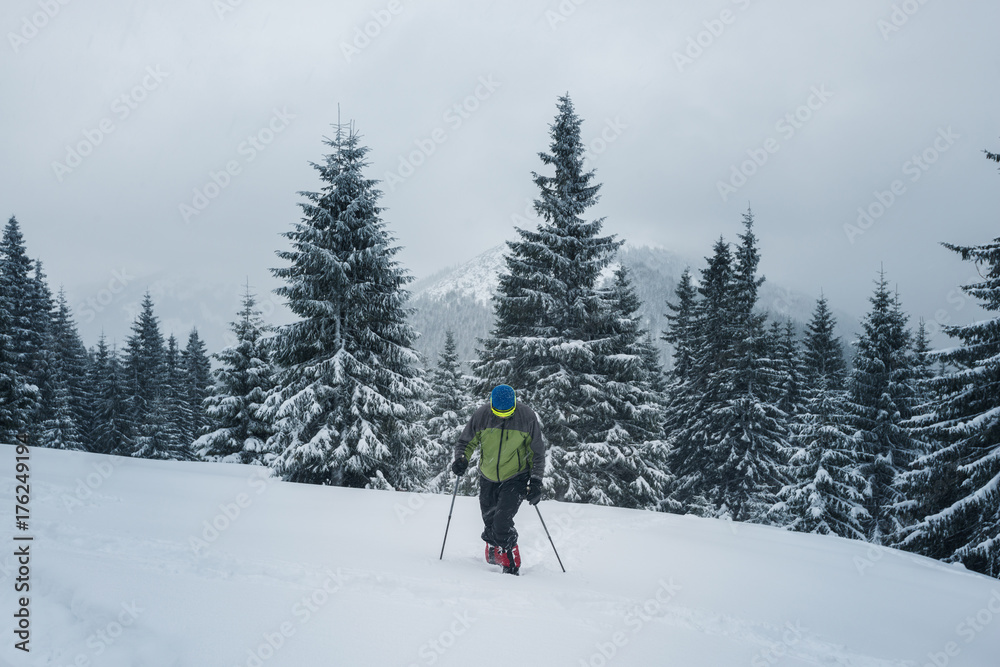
(115, 112)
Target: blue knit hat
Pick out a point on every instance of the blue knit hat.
(502, 400)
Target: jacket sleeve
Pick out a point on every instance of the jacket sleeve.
(469, 440)
(537, 449)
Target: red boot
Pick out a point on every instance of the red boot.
(509, 558)
(491, 554)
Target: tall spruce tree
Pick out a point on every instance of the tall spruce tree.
(957, 484)
(628, 450)
(111, 427)
(177, 417)
(44, 371)
(451, 407)
(826, 493)
(655, 373)
(923, 369)
(788, 363)
(196, 385)
(551, 320)
(729, 446)
(879, 401)
(150, 395)
(66, 421)
(144, 361)
(680, 331)
(823, 355)
(692, 401)
(243, 381)
(680, 334)
(23, 338)
(347, 402)
(59, 429)
(752, 429)
(12, 418)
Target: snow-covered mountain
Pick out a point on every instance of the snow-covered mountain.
(476, 278)
(458, 298)
(156, 563)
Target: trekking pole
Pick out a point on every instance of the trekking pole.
(453, 494)
(547, 535)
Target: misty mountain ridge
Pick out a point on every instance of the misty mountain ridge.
(459, 299)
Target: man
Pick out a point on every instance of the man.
(511, 467)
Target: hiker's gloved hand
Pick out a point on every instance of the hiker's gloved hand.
(534, 491)
(460, 465)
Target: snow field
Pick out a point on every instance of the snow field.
(139, 562)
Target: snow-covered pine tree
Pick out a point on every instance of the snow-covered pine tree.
(24, 340)
(924, 488)
(111, 429)
(773, 343)
(628, 447)
(923, 368)
(826, 493)
(729, 444)
(793, 389)
(879, 401)
(347, 406)
(960, 490)
(918, 491)
(451, 407)
(76, 363)
(654, 371)
(149, 394)
(677, 390)
(143, 361)
(693, 401)
(65, 426)
(242, 382)
(823, 355)
(157, 437)
(196, 385)
(680, 333)
(59, 430)
(750, 443)
(549, 314)
(173, 402)
(44, 365)
(12, 419)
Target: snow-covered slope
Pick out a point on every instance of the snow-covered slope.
(211, 565)
(476, 278)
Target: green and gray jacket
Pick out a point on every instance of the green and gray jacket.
(510, 446)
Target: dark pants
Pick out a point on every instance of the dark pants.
(499, 502)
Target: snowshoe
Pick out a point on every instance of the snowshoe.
(510, 559)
